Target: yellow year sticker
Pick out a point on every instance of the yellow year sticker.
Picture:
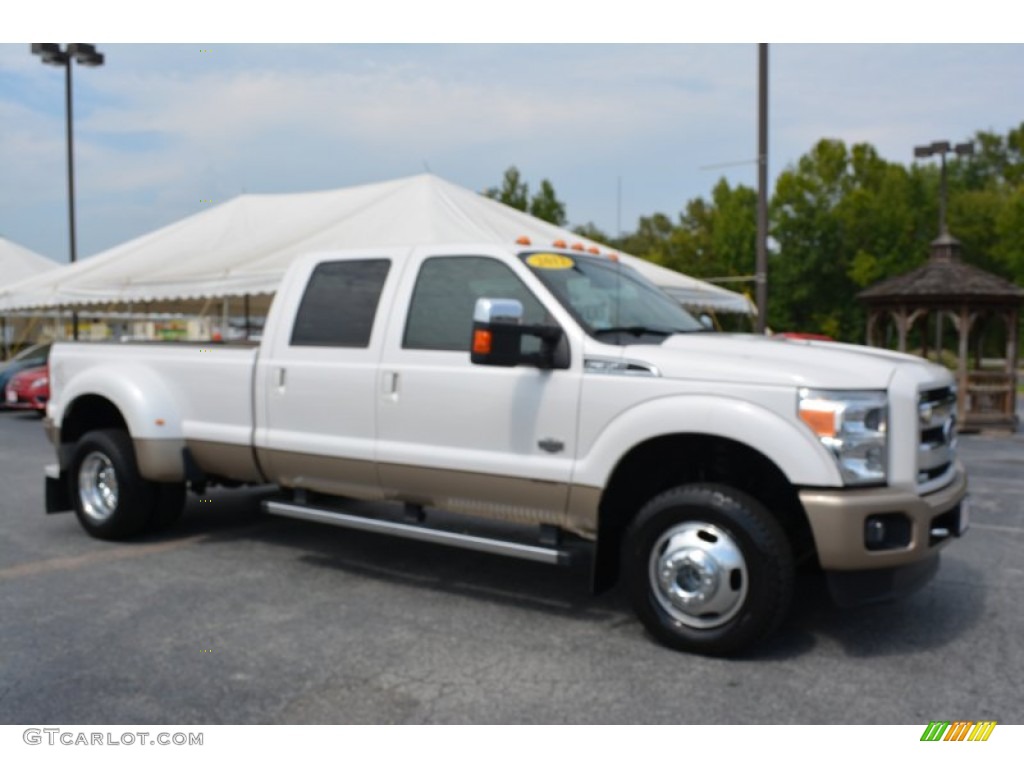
(550, 261)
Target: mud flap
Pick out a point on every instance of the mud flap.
(57, 497)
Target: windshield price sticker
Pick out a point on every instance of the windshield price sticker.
(550, 261)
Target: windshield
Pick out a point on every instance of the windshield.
(612, 301)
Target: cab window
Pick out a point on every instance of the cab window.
(340, 303)
(447, 287)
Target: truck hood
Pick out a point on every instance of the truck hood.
(750, 359)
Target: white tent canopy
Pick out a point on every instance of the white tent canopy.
(243, 247)
(18, 263)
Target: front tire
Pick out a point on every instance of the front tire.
(708, 569)
(111, 499)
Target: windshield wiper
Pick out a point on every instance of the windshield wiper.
(638, 330)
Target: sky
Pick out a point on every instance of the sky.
(626, 117)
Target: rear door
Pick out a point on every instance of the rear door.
(317, 377)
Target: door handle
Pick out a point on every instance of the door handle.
(389, 384)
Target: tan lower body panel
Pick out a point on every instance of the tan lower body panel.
(226, 460)
(160, 460)
(324, 474)
(500, 497)
(837, 522)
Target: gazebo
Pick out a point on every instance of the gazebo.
(979, 305)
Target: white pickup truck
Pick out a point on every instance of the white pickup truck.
(552, 396)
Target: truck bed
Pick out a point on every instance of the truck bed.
(201, 393)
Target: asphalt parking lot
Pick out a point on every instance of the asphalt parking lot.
(235, 617)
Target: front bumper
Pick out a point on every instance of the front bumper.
(838, 519)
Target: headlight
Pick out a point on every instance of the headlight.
(38, 383)
(852, 425)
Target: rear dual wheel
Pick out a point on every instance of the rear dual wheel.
(111, 499)
(708, 569)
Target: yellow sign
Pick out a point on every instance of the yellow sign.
(550, 261)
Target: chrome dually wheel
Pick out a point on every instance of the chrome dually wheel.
(699, 575)
(97, 487)
(112, 500)
(708, 568)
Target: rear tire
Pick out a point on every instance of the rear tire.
(708, 569)
(111, 499)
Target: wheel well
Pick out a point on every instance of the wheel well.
(87, 413)
(665, 462)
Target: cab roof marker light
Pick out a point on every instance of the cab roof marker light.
(523, 240)
(558, 244)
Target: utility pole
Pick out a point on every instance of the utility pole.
(761, 268)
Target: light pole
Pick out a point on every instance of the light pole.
(761, 266)
(86, 55)
(941, 148)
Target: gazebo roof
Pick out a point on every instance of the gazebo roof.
(945, 277)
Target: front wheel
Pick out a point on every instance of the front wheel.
(111, 499)
(708, 569)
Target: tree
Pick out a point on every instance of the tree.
(515, 192)
(512, 192)
(843, 219)
(592, 232)
(545, 205)
(1008, 250)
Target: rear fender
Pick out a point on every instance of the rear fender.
(146, 404)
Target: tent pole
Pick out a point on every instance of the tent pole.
(247, 317)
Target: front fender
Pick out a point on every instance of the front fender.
(790, 445)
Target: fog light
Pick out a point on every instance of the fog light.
(889, 530)
(874, 533)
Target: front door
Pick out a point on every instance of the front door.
(483, 440)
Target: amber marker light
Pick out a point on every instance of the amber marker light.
(820, 416)
(523, 240)
(481, 342)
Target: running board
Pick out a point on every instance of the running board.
(420, 533)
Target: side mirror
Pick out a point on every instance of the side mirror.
(498, 334)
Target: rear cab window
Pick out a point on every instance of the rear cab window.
(340, 303)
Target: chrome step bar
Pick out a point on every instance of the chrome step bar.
(419, 533)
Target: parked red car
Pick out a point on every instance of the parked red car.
(804, 336)
(29, 389)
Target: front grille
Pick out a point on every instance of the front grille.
(936, 450)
